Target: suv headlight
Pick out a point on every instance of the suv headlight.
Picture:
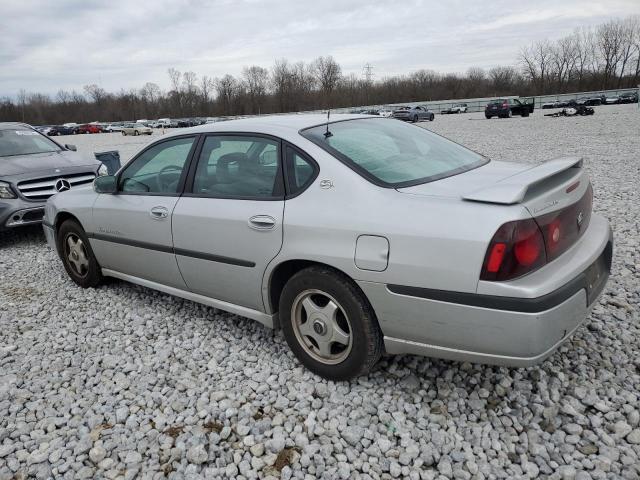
(102, 170)
(5, 191)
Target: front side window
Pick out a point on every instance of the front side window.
(391, 153)
(158, 169)
(24, 141)
(235, 166)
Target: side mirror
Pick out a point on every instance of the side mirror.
(73, 148)
(105, 184)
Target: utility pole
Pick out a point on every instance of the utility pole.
(367, 72)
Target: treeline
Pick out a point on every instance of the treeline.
(602, 57)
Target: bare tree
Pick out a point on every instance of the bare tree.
(256, 81)
(226, 88)
(327, 73)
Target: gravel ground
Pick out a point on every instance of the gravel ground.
(124, 382)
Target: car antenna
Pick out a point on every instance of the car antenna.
(328, 134)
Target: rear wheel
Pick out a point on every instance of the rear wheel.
(488, 117)
(431, 117)
(124, 134)
(525, 112)
(329, 324)
(136, 132)
(76, 254)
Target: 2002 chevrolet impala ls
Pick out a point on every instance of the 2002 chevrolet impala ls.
(356, 236)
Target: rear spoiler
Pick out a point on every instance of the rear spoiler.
(513, 189)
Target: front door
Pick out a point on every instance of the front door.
(133, 227)
(228, 225)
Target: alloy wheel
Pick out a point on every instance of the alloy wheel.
(76, 255)
(321, 327)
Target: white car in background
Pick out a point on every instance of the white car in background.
(383, 112)
(113, 127)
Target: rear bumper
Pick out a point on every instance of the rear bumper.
(491, 329)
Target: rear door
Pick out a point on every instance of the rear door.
(228, 225)
(133, 227)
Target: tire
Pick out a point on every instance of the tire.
(432, 117)
(415, 119)
(354, 320)
(136, 133)
(488, 117)
(509, 114)
(73, 243)
(525, 112)
(124, 134)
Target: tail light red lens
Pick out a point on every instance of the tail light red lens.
(516, 249)
(523, 246)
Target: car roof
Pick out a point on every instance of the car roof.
(272, 124)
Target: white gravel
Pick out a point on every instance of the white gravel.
(124, 382)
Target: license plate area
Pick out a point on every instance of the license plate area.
(597, 274)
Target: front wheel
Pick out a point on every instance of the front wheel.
(76, 254)
(136, 133)
(488, 117)
(329, 324)
(431, 117)
(124, 134)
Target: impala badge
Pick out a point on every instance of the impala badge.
(326, 184)
(579, 219)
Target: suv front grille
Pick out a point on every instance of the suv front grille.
(43, 188)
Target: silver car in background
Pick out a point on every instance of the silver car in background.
(356, 236)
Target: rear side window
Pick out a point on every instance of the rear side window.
(301, 171)
(238, 166)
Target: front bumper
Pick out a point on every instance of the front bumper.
(509, 331)
(50, 236)
(15, 212)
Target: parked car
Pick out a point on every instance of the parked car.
(44, 129)
(554, 104)
(507, 107)
(32, 168)
(136, 129)
(502, 264)
(629, 98)
(114, 127)
(457, 108)
(61, 130)
(88, 128)
(612, 100)
(188, 122)
(413, 114)
(586, 101)
(383, 112)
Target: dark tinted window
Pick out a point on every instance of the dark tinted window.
(300, 171)
(24, 141)
(233, 166)
(158, 169)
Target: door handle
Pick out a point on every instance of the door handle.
(158, 213)
(262, 222)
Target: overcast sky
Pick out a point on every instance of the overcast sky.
(49, 45)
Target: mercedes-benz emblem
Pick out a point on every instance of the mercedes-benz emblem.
(62, 185)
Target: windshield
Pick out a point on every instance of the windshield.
(22, 141)
(393, 154)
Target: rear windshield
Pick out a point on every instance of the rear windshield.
(391, 153)
(20, 141)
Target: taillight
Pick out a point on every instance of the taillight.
(522, 246)
(516, 249)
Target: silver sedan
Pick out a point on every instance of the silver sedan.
(355, 236)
